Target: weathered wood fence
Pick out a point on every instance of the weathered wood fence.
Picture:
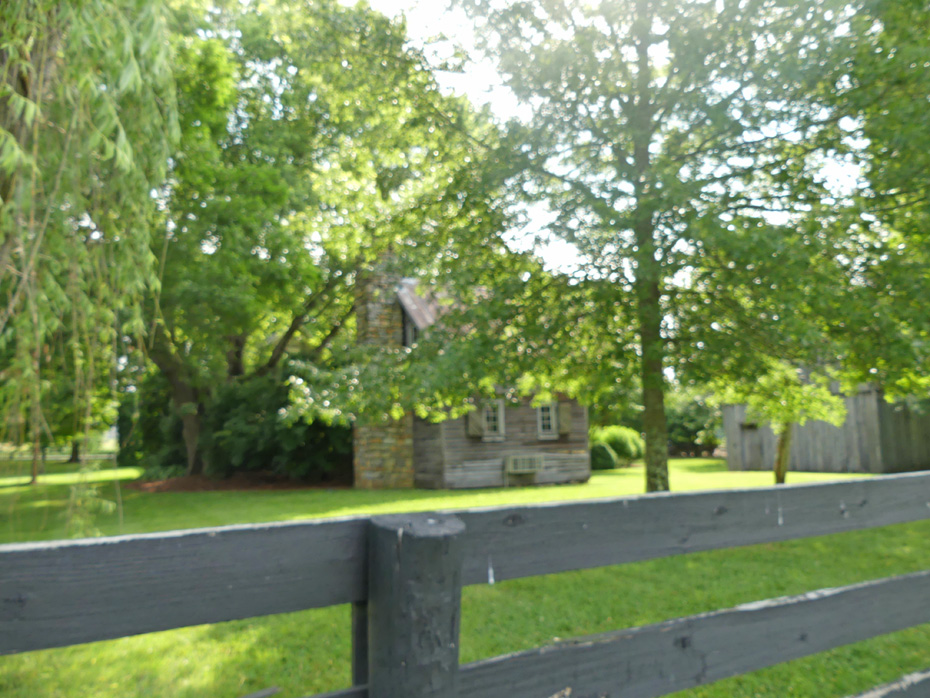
(403, 574)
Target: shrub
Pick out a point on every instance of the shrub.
(626, 443)
(245, 430)
(149, 428)
(603, 457)
(692, 424)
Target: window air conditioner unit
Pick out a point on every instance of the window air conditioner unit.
(517, 465)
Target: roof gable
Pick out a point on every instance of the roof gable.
(423, 312)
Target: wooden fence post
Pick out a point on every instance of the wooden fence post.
(414, 605)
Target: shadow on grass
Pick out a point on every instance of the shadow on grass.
(303, 653)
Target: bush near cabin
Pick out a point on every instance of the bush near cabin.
(245, 430)
(625, 442)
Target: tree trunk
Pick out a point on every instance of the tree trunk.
(75, 451)
(653, 380)
(36, 460)
(190, 420)
(235, 356)
(782, 454)
(648, 264)
(185, 398)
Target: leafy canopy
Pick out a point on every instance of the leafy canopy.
(680, 147)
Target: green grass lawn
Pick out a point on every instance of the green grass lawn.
(308, 652)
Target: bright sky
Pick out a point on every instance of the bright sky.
(427, 19)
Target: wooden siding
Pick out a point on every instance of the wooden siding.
(557, 468)
(873, 429)
(564, 467)
(475, 473)
(905, 437)
(472, 462)
(427, 454)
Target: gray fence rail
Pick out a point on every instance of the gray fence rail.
(403, 575)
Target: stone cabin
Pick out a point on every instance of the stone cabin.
(497, 445)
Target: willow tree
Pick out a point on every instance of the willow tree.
(85, 117)
(669, 136)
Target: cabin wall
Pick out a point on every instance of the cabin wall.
(428, 456)
(473, 462)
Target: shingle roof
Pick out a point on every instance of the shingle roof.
(423, 311)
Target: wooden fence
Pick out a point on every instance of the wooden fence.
(403, 574)
(877, 437)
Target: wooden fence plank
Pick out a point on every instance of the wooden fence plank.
(69, 592)
(913, 685)
(507, 543)
(659, 659)
(63, 593)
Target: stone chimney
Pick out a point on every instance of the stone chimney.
(383, 447)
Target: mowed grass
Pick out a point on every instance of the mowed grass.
(308, 652)
(40, 512)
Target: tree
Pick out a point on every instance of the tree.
(888, 110)
(672, 138)
(86, 114)
(783, 397)
(313, 144)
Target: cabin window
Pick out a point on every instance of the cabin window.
(494, 420)
(411, 331)
(547, 421)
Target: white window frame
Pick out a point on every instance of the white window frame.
(552, 433)
(500, 433)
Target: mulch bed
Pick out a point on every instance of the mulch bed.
(238, 482)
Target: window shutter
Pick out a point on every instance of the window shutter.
(474, 422)
(565, 418)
